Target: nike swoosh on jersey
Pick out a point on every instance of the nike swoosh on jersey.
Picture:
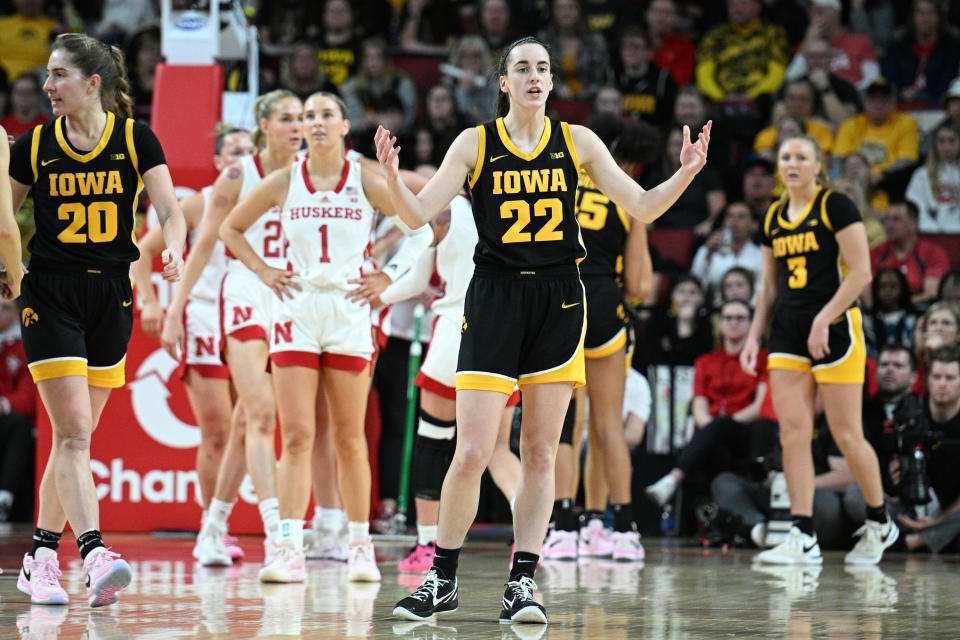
(495, 158)
(44, 163)
(564, 305)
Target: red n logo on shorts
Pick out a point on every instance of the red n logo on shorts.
(242, 314)
(283, 331)
(205, 345)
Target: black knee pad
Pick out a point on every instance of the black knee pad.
(566, 434)
(433, 451)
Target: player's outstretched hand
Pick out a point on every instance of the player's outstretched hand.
(371, 286)
(387, 152)
(280, 282)
(693, 155)
(172, 259)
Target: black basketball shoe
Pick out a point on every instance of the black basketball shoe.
(434, 595)
(519, 605)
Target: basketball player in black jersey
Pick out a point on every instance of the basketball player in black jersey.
(815, 264)
(86, 170)
(617, 261)
(524, 316)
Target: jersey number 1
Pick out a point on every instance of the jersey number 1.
(100, 218)
(521, 210)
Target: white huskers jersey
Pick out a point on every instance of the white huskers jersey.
(265, 235)
(208, 285)
(455, 259)
(328, 231)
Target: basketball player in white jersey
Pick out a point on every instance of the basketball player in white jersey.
(455, 238)
(320, 341)
(246, 304)
(205, 377)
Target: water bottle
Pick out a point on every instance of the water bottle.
(667, 524)
(726, 241)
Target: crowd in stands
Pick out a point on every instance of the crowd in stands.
(875, 82)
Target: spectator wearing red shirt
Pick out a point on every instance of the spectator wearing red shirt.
(670, 51)
(921, 261)
(25, 111)
(726, 403)
(854, 58)
(17, 406)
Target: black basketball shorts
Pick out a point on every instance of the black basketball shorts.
(77, 323)
(521, 328)
(788, 346)
(607, 322)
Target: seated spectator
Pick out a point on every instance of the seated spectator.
(892, 320)
(939, 326)
(785, 127)
(726, 403)
(759, 183)
(935, 187)
(689, 108)
(799, 98)
(749, 500)
(950, 288)
(441, 118)
(338, 43)
(673, 337)
(699, 205)
(885, 136)
(143, 56)
(581, 60)
(495, 26)
(737, 284)
(923, 61)
(121, 18)
(854, 58)
(17, 406)
(854, 190)
(839, 100)
(923, 262)
(930, 520)
(672, 52)
(608, 100)
(428, 26)
(25, 38)
(728, 246)
(378, 93)
(648, 91)
(25, 100)
(475, 86)
(874, 19)
(744, 58)
(301, 73)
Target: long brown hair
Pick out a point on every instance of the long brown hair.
(503, 99)
(94, 57)
(934, 161)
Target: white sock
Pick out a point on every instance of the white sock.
(218, 513)
(330, 520)
(6, 498)
(270, 514)
(291, 530)
(426, 533)
(358, 531)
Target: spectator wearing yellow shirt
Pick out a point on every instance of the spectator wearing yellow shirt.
(887, 138)
(799, 97)
(25, 38)
(742, 58)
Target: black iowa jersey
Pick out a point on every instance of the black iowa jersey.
(806, 249)
(84, 202)
(604, 228)
(524, 204)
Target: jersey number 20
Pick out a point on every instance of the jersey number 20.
(541, 208)
(100, 219)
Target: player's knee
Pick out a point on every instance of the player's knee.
(538, 457)
(297, 438)
(349, 443)
(74, 440)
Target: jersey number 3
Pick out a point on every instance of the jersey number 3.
(798, 272)
(100, 219)
(541, 208)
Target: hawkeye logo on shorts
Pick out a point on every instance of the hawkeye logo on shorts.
(29, 317)
(463, 325)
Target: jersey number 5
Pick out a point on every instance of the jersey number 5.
(521, 210)
(100, 219)
(798, 272)
(592, 210)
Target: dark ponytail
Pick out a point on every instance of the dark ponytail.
(94, 57)
(503, 99)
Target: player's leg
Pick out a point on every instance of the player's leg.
(329, 521)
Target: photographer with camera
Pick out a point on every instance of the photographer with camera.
(919, 447)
